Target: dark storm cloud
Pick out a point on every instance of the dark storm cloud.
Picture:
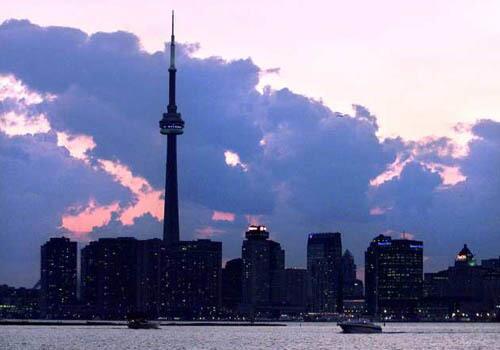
(305, 168)
(38, 182)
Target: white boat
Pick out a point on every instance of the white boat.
(361, 326)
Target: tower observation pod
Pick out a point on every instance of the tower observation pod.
(171, 125)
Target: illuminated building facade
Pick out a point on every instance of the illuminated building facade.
(263, 264)
(393, 277)
(19, 303)
(58, 278)
(191, 288)
(109, 277)
(324, 255)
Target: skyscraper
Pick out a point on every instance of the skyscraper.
(393, 276)
(232, 275)
(324, 253)
(353, 288)
(58, 278)
(109, 277)
(171, 125)
(263, 266)
(192, 280)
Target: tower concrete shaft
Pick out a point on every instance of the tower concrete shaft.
(171, 125)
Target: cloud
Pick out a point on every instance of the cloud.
(223, 216)
(13, 124)
(79, 136)
(82, 220)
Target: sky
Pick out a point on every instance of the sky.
(358, 117)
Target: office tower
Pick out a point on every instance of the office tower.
(295, 290)
(324, 253)
(393, 276)
(58, 278)
(352, 287)
(232, 275)
(192, 280)
(110, 277)
(465, 258)
(171, 125)
(491, 263)
(151, 254)
(19, 303)
(263, 261)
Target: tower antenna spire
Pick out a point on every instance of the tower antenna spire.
(172, 44)
(171, 125)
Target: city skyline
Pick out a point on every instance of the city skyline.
(80, 114)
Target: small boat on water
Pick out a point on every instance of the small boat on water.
(143, 324)
(140, 321)
(360, 326)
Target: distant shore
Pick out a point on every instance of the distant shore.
(124, 323)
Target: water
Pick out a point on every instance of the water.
(294, 336)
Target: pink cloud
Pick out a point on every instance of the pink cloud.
(14, 89)
(208, 232)
(450, 175)
(223, 216)
(393, 171)
(254, 219)
(147, 199)
(77, 145)
(233, 160)
(407, 235)
(375, 211)
(18, 124)
(82, 220)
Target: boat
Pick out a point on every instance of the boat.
(361, 326)
(139, 321)
(143, 324)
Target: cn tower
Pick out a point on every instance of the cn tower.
(171, 125)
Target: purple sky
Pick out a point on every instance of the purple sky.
(421, 66)
(80, 145)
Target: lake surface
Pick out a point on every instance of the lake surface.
(294, 336)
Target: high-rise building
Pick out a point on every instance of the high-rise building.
(491, 263)
(352, 287)
(171, 125)
(58, 278)
(263, 262)
(295, 290)
(464, 290)
(393, 276)
(324, 253)
(232, 275)
(151, 256)
(110, 277)
(19, 303)
(192, 280)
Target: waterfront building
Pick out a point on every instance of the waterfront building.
(324, 255)
(352, 287)
(151, 256)
(58, 278)
(232, 275)
(463, 291)
(263, 265)
(191, 287)
(393, 277)
(491, 263)
(296, 285)
(19, 303)
(110, 277)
